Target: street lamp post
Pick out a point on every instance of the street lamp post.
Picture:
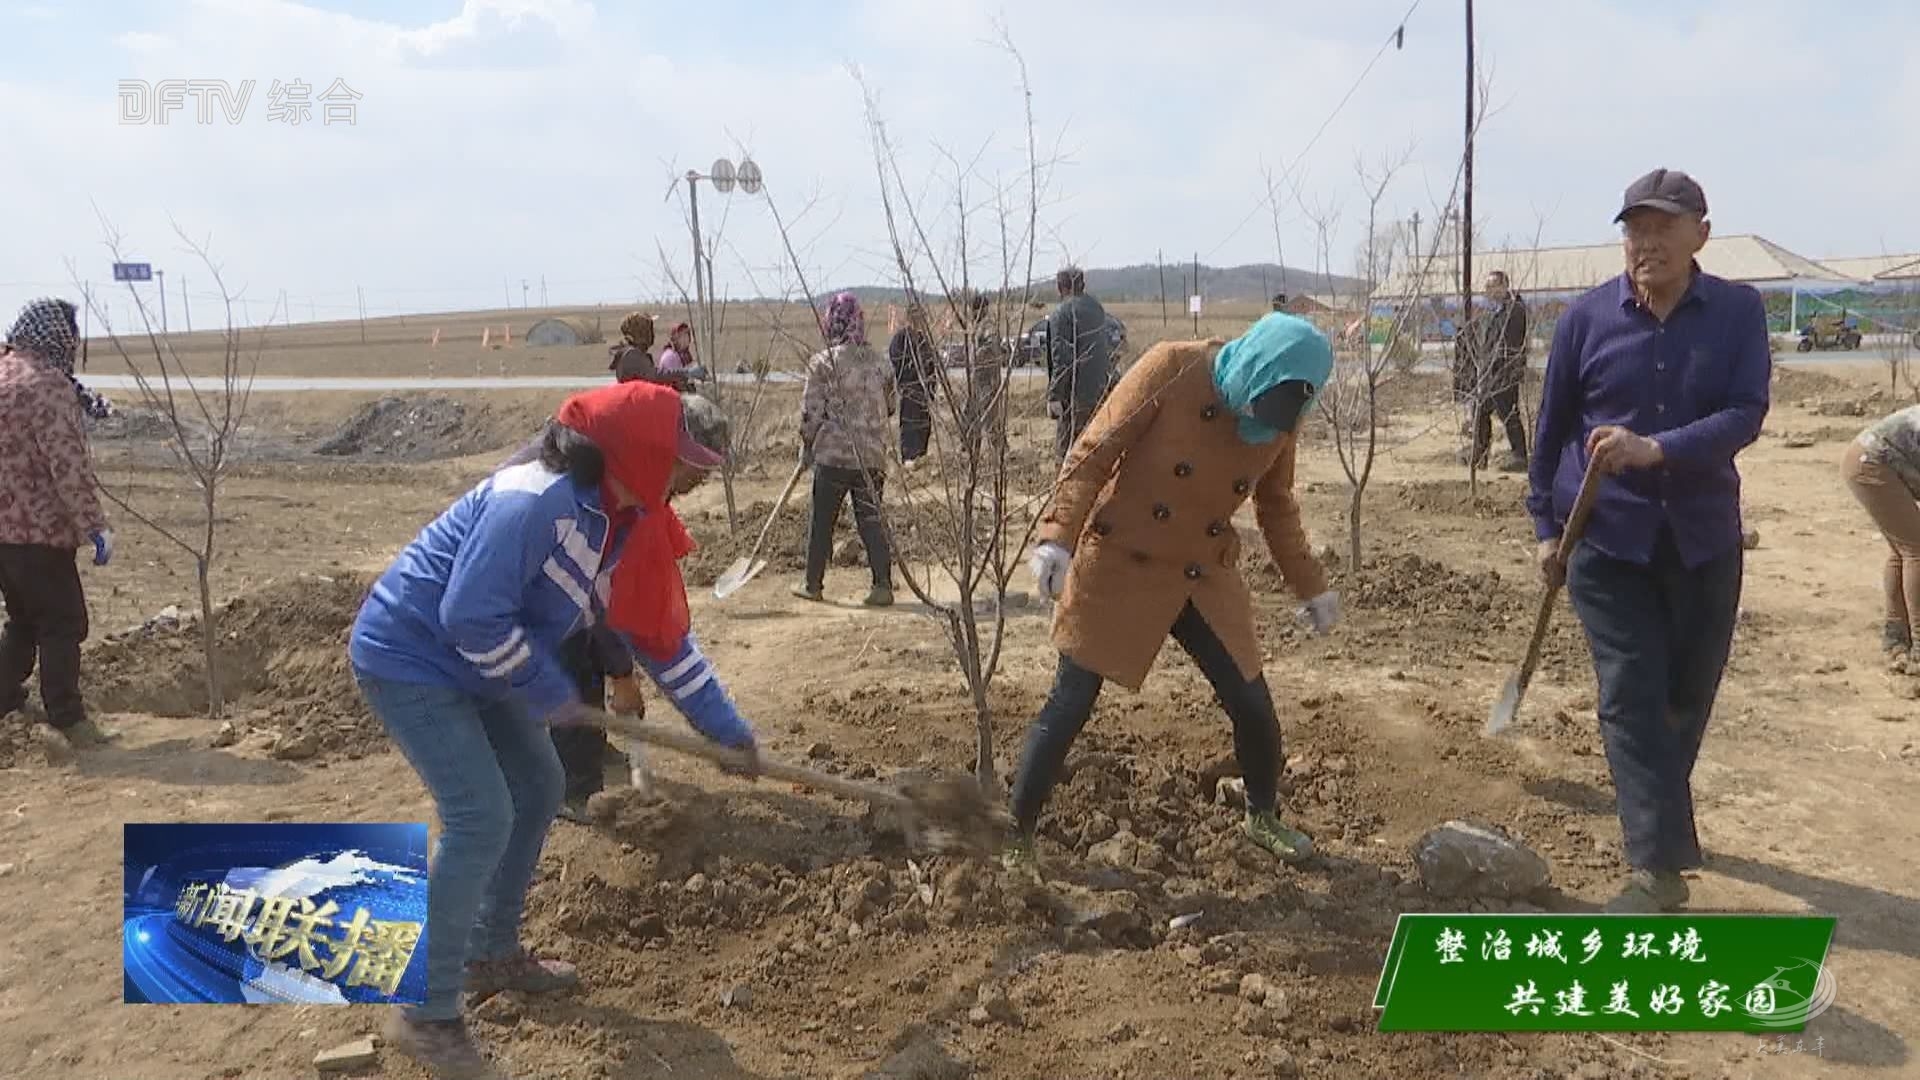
(724, 176)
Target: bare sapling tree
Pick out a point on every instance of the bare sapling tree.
(1351, 402)
(962, 518)
(202, 413)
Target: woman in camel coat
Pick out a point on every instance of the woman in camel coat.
(1139, 545)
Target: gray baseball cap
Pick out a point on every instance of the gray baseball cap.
(1668, 190)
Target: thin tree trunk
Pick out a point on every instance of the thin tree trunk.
(1353, 529)
(208, 636)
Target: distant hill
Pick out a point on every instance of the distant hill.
(1256, 282)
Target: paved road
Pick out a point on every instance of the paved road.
(289, 383)
(286, 383)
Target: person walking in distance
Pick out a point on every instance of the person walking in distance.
(1502, 356)
(48, 509)
(1659, 379)
(916, 371)
(845, 411)
(1138, 545)
(1079, 359)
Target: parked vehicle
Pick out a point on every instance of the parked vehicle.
(1830, 332)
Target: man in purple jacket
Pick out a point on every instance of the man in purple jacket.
(1660, 376)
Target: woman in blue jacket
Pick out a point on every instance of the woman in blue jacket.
(456, 651)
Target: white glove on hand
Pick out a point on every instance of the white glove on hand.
(1049, 565)
(1323, 611)
(1056, 410)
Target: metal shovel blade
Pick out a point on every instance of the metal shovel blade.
(1501, 718)
(742, 571)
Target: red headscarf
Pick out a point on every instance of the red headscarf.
(637, 427)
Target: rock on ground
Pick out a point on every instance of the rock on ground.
(1460, 859)
(354, 1055)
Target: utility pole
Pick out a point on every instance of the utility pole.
(1160, 262)
(1416, 234)
(1466, 200)
(362, 294)
(86, 320)
(523, 293)
(161, 275)
(699, 258)
(186, 308)
(1195, 296)
(543, 290)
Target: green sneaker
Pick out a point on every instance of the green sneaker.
(807, 592)
(1019, 857)
(879, 597)
(1649, 892)
(1288, 845)
(84, 734)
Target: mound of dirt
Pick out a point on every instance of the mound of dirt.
(419, 428)
(1494, 499)
(1795, 386)
(281, 654)
(785, 550)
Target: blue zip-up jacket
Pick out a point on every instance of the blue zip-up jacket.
(483, 597)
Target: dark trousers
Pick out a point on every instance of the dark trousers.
(1660, 636)
(1067, 428)
(916, 428)
(46, 621)
(1256, 729)
(1506, 405)
(831, 486)
(583, 747)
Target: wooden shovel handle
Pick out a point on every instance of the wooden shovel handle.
(779, 504)
(1569, 538)
(686, 742)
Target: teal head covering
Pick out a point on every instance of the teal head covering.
(1279, 348)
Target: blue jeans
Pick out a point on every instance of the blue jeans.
(1660, 636)
(497, 784)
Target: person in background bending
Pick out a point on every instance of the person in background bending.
(1882, 469)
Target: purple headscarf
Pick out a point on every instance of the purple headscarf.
(844, 323)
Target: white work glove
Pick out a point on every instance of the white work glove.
(1049, 565)
(1056, 410)
(102, 546)
(1322, 612)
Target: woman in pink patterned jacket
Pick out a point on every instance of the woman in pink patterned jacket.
(48, 508)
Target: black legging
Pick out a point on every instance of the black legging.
(1256, 729)
(916, 427)
(583, 747)
(832, 487)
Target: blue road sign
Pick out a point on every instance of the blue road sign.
(133, 271)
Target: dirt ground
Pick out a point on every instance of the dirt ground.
(861, 959)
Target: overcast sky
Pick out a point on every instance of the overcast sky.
(501, 140)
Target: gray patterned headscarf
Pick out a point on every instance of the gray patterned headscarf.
(49, 330)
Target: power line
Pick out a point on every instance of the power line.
(1394, 39)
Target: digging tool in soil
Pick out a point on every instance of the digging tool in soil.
(1505, 709)
(948, 814)
(745, 570)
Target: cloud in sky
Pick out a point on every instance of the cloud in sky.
(501, 140)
